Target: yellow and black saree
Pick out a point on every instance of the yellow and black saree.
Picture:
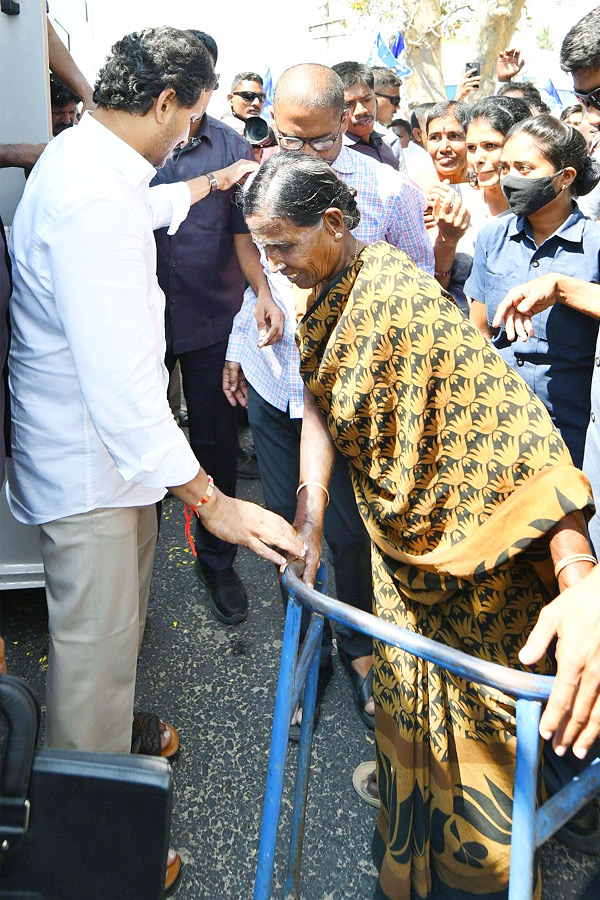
(459, 474)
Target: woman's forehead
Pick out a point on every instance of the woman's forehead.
(449, 123)
(263, 223)
(521, 145)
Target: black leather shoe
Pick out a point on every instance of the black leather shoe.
(227, 594)
(247, 466)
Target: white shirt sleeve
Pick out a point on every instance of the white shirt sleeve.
(169, 205)
(109, 305)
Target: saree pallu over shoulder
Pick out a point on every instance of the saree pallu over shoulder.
(455, 463)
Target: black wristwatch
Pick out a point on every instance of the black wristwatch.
(212, 182)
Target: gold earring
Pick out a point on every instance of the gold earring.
(338, 236)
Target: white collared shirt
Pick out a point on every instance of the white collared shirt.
(91, 425)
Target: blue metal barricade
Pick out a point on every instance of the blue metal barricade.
(530, 828)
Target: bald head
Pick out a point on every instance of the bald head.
(310, 86)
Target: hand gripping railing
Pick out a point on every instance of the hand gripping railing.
(530, 828)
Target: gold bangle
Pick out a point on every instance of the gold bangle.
(316, 484)
(576, 557)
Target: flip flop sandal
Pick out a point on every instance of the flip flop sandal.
(145, 736)
(364, 781)
(362, 687)
(173, 873)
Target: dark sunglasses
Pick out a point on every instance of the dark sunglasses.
(215, 86)
(591, 99)
(395, 101)
(249, 96)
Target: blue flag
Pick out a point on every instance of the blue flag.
(553, 95)
(268, 89)
(381, 55)
(398, 47)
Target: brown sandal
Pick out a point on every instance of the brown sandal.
(173, 872)
(145, 736)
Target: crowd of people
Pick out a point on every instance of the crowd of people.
(407, 312)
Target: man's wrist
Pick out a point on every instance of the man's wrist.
(213, 184)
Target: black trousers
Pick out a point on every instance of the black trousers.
(213, 437)
(277, 444)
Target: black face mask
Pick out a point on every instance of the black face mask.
(526, 195)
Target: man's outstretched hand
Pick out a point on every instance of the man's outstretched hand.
(572, 715)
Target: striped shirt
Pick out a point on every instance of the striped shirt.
(391, 210)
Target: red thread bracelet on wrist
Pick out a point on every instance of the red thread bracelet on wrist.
(191, 511)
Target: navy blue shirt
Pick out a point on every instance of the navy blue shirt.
(557, 363)
(197, 267)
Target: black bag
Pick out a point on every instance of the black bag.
(78, 826)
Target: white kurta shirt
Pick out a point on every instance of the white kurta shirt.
(91, 423)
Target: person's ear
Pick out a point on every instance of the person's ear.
(345, 121)
(567, 178)
(334, 222)
(164, 105)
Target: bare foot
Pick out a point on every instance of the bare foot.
(165, 735)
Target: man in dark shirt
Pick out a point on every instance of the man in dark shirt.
(361, 103)
(201, 270)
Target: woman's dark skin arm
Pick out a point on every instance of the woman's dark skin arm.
(572, 715)
(316, 465)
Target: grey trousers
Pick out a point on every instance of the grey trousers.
(98, 568)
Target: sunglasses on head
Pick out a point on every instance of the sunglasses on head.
(590, 99)
(249, 96)
(395, 101)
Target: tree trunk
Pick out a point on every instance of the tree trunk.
(422, 37)
(495, 26)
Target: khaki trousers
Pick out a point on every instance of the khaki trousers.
(98, 568)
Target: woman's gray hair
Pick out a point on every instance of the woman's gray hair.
(300, 187)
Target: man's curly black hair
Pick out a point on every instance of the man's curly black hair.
(144, 63)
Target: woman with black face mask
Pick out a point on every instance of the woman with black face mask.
(544, 167)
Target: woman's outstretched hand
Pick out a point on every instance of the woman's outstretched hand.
(523, 302)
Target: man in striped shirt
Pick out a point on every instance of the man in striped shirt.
(263, 371)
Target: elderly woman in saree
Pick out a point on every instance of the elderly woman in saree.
(472, 504)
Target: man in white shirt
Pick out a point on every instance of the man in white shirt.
(94, 442)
